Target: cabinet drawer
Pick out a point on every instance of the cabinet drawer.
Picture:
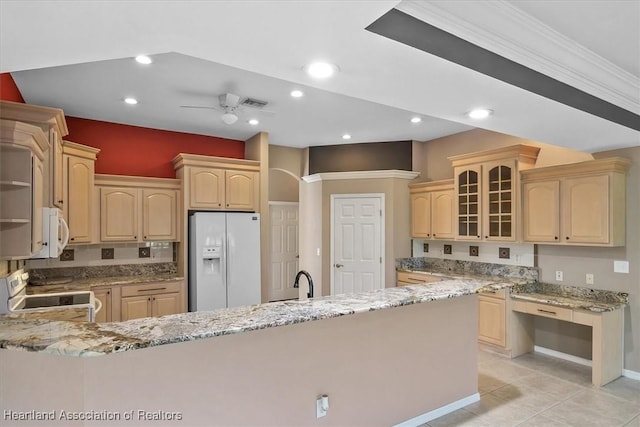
(151, 288)
(490, 293)
(417, 278)
(543, 310)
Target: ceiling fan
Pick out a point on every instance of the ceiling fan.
(231, 105)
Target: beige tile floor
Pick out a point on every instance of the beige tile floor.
(538, 390)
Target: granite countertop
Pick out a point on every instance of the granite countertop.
(573, 297)
(94, 339)
(66, 314)
(86, 284)
(494, 283)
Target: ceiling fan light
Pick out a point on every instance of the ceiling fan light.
(229, 118)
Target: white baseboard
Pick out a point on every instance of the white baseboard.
(631, 374)
(586, 362)
(443, 410)
(561, 355)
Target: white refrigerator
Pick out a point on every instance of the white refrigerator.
(224, 260)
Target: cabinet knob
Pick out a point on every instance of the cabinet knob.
(486, 237)
(135, 237)
(219, 204)
(567, 237)
(108, 292)
(73, 238)
(556, 237)
(61, 201)
(478, 237)
(144, 237)
(149, 299)
(227, 204)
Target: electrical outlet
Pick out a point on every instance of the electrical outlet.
(590, 279)
(474, 250)
(425, 247)
(447, 249)
(322, 406)
(504, 253)
(559, 276)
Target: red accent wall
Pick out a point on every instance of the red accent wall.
(8, 89)
(138, 151)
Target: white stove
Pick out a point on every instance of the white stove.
(13, 290)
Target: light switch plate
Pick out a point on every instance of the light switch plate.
(621, 266)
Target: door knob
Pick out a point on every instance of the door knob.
(338, 265)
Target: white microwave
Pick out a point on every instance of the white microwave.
(55, 233)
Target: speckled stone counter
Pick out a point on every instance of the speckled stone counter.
(456, 268)
(596, 300)
(90, 339)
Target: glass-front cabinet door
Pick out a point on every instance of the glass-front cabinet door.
(500, 200)
(469, 203)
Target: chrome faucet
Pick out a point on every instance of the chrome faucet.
(308, 276)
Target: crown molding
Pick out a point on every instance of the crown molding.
(392, 173)
(508, 31)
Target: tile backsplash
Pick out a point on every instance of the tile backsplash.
(518, 253)
(110, 254)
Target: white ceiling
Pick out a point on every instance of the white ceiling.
(78, 55)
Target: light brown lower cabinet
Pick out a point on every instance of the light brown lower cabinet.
(135, 301)
(492, 318)
(150, 300)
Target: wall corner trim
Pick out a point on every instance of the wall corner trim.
(378, 174)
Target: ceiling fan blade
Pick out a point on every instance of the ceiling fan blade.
(200, 106)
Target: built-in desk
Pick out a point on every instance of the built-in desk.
(602, 310)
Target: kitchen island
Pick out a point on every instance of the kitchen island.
(383, 357)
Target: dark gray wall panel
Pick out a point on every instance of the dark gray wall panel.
(360, 157)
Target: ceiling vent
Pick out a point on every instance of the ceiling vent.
(254, 103)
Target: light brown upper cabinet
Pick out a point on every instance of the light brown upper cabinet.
(207, 188)
(159, 214)
(77, 195)
(432, 206)
(22, 176)
(138, 209)
(241, 190)
(486, 185)
(54, 126)
(118, 214)
(576, 204)
(216, 183)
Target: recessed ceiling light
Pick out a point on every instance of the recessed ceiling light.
(416, 119)
(253, 122)
(297, 93)
(321, 70)
(131, 101)
(143, 59)
(346, 136)
(479, 113)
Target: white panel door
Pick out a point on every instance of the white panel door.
(284, 251)
(357, 244)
